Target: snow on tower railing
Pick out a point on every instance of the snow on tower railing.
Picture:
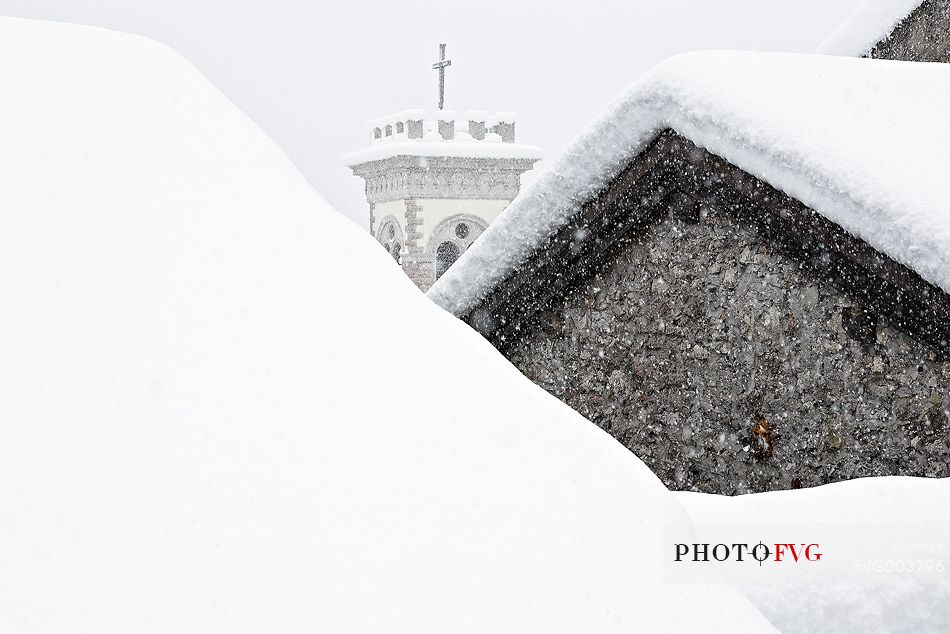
(444, 125)
(472, 134)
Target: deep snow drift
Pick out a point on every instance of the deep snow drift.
(862, 142)
(225, 409)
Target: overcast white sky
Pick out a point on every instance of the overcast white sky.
(312, 73)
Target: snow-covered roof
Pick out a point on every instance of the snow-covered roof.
(871, 22)
(204, 398)
(863, 142)
(472, 134)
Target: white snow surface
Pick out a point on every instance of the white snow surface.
(863, 142)
(885, 545)
(225, 408)
(871, 22)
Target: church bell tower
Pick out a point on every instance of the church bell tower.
(435, 180)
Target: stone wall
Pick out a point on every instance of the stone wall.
(420, 267)
(696, 333)
(924, 36)
(417, 265)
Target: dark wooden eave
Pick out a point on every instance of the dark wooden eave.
(673, 175)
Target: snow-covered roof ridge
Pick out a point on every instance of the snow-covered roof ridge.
(862, 142)
(871, 22)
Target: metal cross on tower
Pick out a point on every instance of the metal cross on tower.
(440, 66)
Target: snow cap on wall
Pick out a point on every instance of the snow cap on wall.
(870, 23)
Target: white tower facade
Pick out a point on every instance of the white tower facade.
(435, 181)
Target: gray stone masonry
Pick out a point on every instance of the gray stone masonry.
(420, 268)
(924, 36)
(698, 331)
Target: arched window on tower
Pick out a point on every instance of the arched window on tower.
(445, 256)
(451, 238)
(390, 236)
